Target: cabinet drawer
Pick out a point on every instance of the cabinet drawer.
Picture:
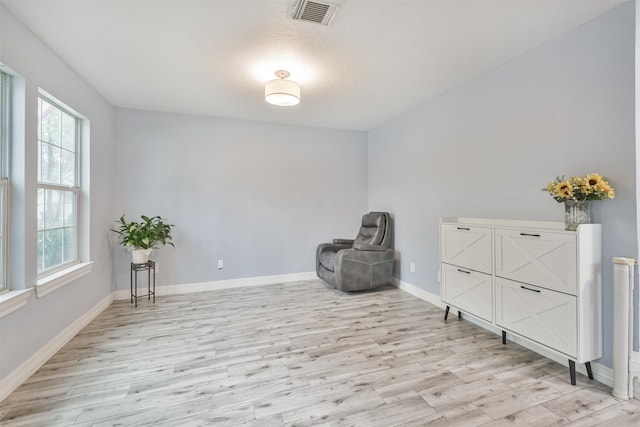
(468, 290)
(467, 246)
(547, 260)
(542, 315)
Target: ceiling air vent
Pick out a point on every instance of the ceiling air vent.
(314, 11)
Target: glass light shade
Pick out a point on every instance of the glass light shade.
(282, 92)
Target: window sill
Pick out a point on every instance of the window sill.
(13, 300)
(54, 281)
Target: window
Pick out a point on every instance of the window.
(4, 181)
(58, 186)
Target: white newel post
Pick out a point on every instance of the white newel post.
(622, 330)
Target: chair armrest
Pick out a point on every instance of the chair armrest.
(350, 256)
(376, 248)
(343, 241)
(331, 247)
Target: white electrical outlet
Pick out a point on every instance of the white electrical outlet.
(220, 264)
(412, 267)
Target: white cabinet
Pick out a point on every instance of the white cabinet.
(468, 290)
(544, 316)
(533, 279)
(467, 260)
(541, 258)
(467, 246)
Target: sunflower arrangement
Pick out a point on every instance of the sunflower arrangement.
(579, 188)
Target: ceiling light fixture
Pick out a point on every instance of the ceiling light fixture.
(281, 91)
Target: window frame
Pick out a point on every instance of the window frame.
(75, 189)
(5, 132)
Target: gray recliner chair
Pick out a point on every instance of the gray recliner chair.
(363, 263)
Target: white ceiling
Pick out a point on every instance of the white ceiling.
(376, 60)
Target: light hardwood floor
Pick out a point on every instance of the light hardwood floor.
(301, 354)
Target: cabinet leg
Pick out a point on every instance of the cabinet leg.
(589, 371)
(504, 337)
(572, 371)
(446, 313)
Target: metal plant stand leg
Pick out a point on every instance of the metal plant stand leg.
(135, 286)
(150, 271)
(131, 284)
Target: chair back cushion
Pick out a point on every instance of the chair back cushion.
(373, 229)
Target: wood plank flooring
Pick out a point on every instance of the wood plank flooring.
(296, 355)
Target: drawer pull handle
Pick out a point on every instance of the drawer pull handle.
(529, 234)
(529, 289)
(464, 271)
(463, 228)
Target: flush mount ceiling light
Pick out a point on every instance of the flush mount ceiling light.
(281, 91)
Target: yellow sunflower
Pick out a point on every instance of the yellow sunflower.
(581, 185)
(590, 187)
(564, 189)
(594, 179)
(603, 186)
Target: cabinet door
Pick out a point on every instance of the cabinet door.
(543, 259)
(467, 246)
(539, 314)
(468, 290)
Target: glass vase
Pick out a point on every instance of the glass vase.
(576, 212)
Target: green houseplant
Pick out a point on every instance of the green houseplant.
(143, 236)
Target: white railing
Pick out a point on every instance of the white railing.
(626, 362)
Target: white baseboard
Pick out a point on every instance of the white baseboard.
(32, 364)
(601, 373)
(187, 288)
(419, 293)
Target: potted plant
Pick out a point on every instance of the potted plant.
(576, 193)
(141, 237)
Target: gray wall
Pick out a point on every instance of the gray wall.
(486, 148)
(259, 196)
(25, 331)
